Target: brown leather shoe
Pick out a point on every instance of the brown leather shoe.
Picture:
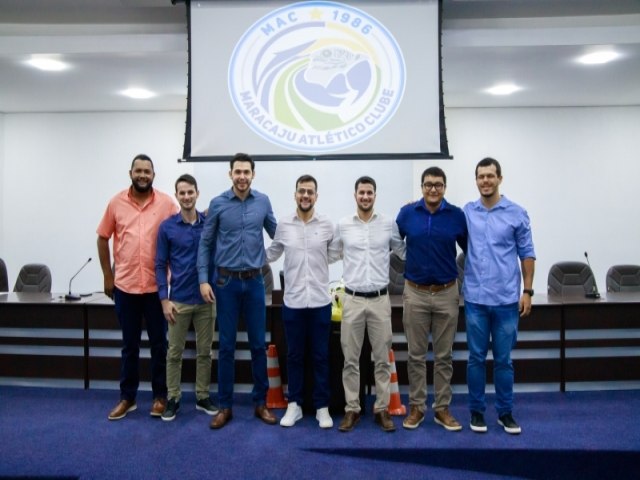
(414, 419)
(158, 407)
(221, 419)
(384, 420)
(121, 409)
(349, 421)
(443, 417)
(263, 413)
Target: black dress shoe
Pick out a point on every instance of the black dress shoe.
(263, 413)
(222, 418)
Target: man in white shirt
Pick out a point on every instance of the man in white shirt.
(304, 237)
(365, 240)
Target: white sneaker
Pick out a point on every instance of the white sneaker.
(293, 414)
(323, 417)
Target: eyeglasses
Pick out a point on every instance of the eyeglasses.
(308, 191)
(438, 186)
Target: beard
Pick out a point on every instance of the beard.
(305, 209)
(140, 188)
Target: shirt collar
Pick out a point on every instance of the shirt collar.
(231, 194)
(420, 204)
(130, 196)
(199, 218)
(502, 203)
(296, 218)
(356, 218)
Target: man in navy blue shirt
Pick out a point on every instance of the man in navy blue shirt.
(178, 239)
(431, 227)
(233, 229)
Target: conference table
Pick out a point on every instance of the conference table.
(567, 343)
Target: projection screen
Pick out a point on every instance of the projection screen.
(314, 80)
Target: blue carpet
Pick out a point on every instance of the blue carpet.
(64, 433)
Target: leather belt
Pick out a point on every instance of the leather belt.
(431, 288)
(377, 293)
(240, 274)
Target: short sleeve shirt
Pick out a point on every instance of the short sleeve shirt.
(135, 230)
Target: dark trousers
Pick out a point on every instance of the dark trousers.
(131, 309)
(308, 328)
(244, 298)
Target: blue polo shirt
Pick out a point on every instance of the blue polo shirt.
(233, 229)
(431, 241)
(176, 251)
(499, 238)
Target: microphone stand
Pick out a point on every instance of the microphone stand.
(69, 296)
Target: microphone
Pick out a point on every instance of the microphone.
(71, 296)
(594, 290)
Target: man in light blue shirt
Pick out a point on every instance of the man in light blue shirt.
(233, 229)
(500, 245)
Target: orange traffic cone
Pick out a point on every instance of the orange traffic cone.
(395, 404)
(275, 394)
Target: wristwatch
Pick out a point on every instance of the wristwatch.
(529, 291)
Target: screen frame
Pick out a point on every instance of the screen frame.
(444, 153)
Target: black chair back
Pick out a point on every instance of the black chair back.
(4, 279)
(396, 275)
(570, 278)
(33, 277)
(623, 278)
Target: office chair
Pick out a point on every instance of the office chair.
(623, 278)
(267, 274)
(460, 264)
(567, 278)
(396, 275)
(4, 279)
(33, 277)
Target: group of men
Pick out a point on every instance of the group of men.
(213, 264)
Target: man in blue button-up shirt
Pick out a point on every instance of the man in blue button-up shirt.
(178, 239)
(500, 245)
(431, 227)
(233, 229)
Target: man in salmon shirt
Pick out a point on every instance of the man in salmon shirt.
(132, 218)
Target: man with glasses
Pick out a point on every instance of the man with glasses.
(304, 237)
(500, 246)
(431, 228)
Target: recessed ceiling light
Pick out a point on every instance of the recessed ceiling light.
(49, 64)
(138, 93)
(598, 58)
(503, 89)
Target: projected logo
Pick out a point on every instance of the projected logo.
(317, 77)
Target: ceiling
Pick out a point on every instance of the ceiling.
(115, 44)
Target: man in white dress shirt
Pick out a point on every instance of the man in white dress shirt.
(304, 237)
(365, 239)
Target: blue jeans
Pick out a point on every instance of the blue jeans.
(131, 309)
(236, 298)
(500, 325)
(308, 327)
